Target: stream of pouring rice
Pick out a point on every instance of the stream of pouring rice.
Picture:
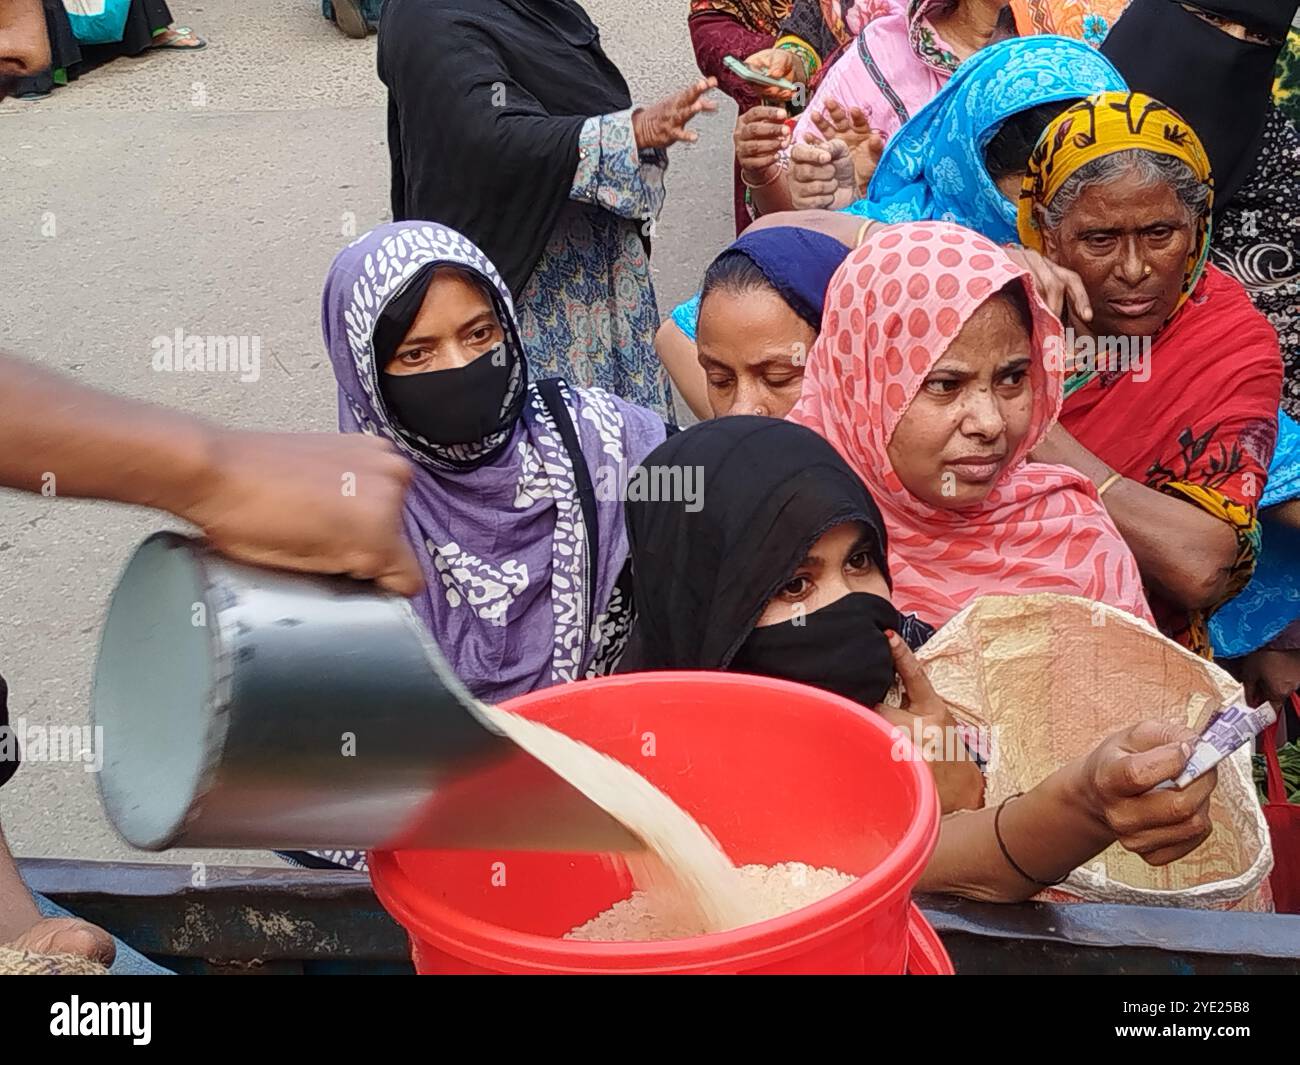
(687, 885)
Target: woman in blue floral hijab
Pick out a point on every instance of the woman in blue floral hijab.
(937, 167)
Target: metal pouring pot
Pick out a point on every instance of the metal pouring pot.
(244, 707)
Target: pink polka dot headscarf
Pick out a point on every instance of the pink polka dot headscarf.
(891, 311)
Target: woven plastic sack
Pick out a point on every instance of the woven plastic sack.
(1050, 677)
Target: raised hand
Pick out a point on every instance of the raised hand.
(760, 135)
(821, 175)
(853, 127)
(960, 782)
(663, 123)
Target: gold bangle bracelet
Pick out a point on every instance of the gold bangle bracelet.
(862, 232)
(777, 171)
(1101, 489)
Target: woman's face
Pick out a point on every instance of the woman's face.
(837, 564)
(456, 324)
(1128, 241)
(971, 414)
(1232, 29)
(753, 348)
(1009, 185)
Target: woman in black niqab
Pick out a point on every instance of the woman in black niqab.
(706, 566)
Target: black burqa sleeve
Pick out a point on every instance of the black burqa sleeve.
(472, 144)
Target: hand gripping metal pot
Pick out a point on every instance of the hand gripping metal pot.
(248, 707)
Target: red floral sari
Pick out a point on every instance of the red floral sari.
(1201, 427)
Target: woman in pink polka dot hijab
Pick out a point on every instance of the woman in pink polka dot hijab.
(936, 374)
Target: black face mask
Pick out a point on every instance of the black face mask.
(460, 406)
(840, 648)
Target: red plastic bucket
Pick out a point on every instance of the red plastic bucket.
(776, 771)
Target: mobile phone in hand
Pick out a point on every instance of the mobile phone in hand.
(752, 76)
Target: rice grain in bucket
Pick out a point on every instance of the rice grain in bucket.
(770, 891)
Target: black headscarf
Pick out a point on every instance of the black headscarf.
(486, 100)
(701, 580)
(1221, 85)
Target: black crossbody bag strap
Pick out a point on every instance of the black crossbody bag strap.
(550, 391)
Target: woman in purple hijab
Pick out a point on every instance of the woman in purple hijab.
(495, 511)
(513, 510)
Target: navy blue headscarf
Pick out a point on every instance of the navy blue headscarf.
(798, 263)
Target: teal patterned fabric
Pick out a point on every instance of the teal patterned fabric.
(1271, 601)
(686, 316)
(933, 168)
(588, 313)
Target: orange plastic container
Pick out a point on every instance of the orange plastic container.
(776, 771)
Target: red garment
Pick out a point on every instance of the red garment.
(714, 36)
(1202, 426)
(1283, 819)
(762, 16)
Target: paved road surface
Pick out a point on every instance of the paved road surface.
(208, 192)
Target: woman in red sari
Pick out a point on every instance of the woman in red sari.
(1174, 378)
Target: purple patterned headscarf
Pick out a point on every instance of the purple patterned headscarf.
(503, 543)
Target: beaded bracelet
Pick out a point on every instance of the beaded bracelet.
(997, 831)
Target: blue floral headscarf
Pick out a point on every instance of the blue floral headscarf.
(1271, 601)
(933, 168)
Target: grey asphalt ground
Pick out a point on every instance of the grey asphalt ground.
(208, 192)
